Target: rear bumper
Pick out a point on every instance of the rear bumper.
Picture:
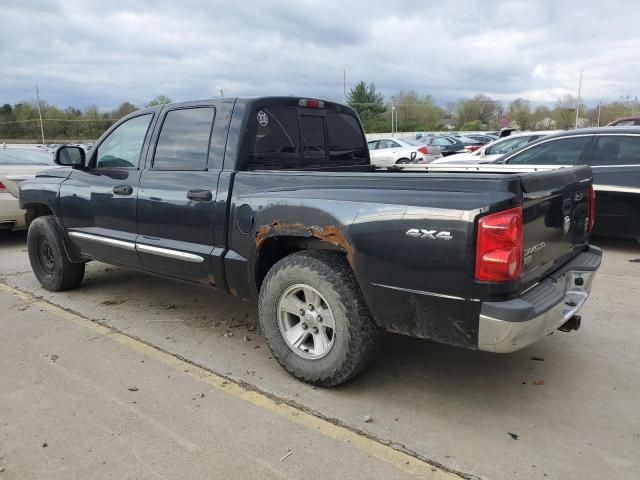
(11, 215)
(515, 324)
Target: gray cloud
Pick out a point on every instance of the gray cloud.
(96, 52)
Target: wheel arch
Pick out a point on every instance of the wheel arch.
(37, 210)
(276, 247)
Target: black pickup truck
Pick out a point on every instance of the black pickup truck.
(274, 200)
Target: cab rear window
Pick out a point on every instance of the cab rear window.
(287, 137)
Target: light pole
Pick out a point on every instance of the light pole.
(578, 101)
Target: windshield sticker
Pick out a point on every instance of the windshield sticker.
(263, 119)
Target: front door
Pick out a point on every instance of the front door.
(175, 200)
(98, 204)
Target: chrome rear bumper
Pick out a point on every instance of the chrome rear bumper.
(515, 324)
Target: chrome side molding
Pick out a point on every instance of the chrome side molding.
(104, 240)
(169, 253)
(139, 247)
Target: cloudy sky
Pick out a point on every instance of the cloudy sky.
(104, 52)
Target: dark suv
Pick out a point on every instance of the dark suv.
(614, 156)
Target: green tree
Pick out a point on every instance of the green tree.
(369, 104)
(159, 100)
(472, 126)
(520, 112)
(565, 112)
(125, 108)
(416, 113)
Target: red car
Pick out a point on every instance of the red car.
(626, 122)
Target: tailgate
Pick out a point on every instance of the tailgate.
(555, 217)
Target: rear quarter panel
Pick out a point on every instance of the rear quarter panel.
(416, 285)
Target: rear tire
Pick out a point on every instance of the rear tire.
(403, 161)
(325, 345)
(48, 257)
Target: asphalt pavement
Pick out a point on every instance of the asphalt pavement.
(565, 408)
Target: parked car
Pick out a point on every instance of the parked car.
(274, 200)
(496, 149)
(479, 137)
(387, 152)
(626, 122)
(430, 153)
(18, 163)
(614, 156)
(449, 144)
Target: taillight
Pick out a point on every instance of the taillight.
(3, 189)
(306, 102)
(499, 246)
(472, 148)
(592, 208)
(423, 150)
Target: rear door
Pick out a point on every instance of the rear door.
(615, 161)
(175, 199)
(555, 206)
(387, 152)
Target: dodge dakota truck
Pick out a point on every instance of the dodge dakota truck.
(274, 200)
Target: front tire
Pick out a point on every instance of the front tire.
(48, 257)
(315, 320)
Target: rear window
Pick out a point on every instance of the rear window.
(616, 150)
(313, 136)
(345, 138)
(282, 137)
(276, 136)
(18, 156)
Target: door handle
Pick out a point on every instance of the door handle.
(200, 195)
(123, 190)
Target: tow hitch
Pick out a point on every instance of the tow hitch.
(572, 324)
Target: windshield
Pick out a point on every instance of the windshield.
(23, 156)
(466, 139)
(505, 146)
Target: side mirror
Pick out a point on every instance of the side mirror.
(69, 156)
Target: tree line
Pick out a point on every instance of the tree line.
(413, 112)
(21, 121)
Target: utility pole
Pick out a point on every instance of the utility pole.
(40, 114)
(221, 93)
(578, 101)
(599, 106)
(344, 85)
(393, 110)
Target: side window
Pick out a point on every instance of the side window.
(563, 151)
(313, 135)
(183, 143)
(616, 150)
(121, 149)
(396, 144)
(386, 144)
(373, 145)
(441, 141)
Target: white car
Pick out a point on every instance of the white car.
(494, 150)
(386, 152)
(18, 163)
